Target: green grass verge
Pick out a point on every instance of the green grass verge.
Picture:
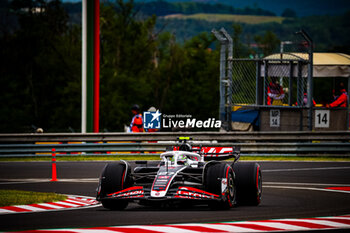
(156, 157)
(16, 197)
(248, 19)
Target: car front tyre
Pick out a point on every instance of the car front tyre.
(113, 180)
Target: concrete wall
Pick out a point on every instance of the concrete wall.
(290, 119)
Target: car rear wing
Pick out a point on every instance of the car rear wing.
(214, 153)
(209, 153)
(219, 153)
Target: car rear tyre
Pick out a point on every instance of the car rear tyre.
(213, 183)
(248, 183)
(113, 179)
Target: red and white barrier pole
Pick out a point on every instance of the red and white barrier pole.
(54, 171)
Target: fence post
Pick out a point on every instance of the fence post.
(290, 85)
(228, 96)
(223, 44)
(265, 81)
(300, 93)
(259, 84)
(309, 76)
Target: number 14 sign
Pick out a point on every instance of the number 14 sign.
(322, 118)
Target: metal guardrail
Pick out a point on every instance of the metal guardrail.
(251, 143)
(296, 136)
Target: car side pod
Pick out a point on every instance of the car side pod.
(248, 183)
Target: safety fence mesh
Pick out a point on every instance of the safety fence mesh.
(269, 82)
(278, 79)
(243, 82)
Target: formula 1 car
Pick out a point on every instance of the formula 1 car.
(183, 175)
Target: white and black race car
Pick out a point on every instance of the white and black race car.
(185, 174)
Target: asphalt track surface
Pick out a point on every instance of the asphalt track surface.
(290, 190)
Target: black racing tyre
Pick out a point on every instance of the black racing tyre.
(248, 183)
(113, 180)
(213, 179)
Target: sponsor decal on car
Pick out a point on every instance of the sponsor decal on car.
(193, 193)
(132, 192)
(223, 185)
(216, 150)
(161, 182)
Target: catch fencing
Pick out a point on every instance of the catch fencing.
(252, 79)
(268, 81)
(140, 144)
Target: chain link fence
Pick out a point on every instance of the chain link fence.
(269, 82)
(279, 79)
(274, 93)
(243, 84)
(276, 85)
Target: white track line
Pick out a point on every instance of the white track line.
(90, 230)
(322, 222)
(305, 184)
(305, 169)
(167, 229)
(305, 188)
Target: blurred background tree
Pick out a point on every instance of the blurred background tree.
(166, 63)
(40, 69)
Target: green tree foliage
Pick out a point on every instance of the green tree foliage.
(161, 8)
(330, 33)
(40, 69)
(140, 65)
(127, 65)
(289, 13)
(238, 47)
(189, 80)
(268, 43)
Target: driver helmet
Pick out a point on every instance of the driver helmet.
(185, 147)
(183, 159)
